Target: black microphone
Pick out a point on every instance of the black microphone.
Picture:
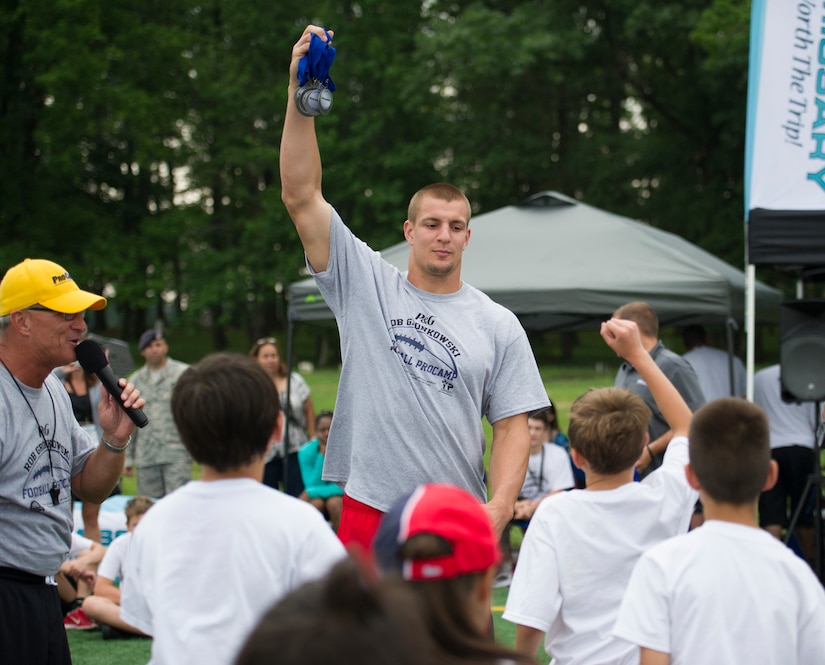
(92, 359)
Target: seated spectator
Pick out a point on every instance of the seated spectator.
(212, 557)
(549, 470)
(76, 579)
(441, 540)
(104, 606)
(326, 496)
(580, 549)
(348, 618)
(560, 439)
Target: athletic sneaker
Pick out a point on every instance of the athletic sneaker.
(504, 577)
(77, 620)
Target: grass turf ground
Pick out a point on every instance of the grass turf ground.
(89, 648)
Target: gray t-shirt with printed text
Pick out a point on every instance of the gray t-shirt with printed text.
(419, 372)
(35, 531)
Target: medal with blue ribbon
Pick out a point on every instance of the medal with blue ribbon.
(314, 96)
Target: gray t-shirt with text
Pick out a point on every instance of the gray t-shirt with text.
(35, 532)
(419, 372)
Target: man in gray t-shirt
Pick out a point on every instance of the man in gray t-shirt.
(425, 356)
(678, 371)
(45, 454)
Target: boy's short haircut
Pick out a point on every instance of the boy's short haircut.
(644, 316)
(730, 452)
(137, 505)
(225, 408)
(608, 427)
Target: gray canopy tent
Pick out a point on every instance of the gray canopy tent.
(559, 264)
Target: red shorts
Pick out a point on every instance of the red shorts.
(359, 523)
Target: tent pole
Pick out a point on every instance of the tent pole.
(287, 408)
(730, 326)
(750, 318)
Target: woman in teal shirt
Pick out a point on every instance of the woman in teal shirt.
(324, 495)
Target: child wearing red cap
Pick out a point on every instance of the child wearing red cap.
(441, 540)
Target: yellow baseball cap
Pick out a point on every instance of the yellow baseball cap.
(41, 282)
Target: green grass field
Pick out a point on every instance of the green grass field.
(563, 385)
(88, 647)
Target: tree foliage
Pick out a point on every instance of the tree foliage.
(139, 141)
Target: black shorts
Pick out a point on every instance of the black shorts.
(31, 629)
(778, 504)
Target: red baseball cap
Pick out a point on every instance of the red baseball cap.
(448, 512)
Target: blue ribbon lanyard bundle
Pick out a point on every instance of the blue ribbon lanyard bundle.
(314, 96)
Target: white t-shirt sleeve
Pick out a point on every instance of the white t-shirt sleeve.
(534, 598)
(321, 551)
(111, 567)
(134, 605)
(79, 544)
(644, 616)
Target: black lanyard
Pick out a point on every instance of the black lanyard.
(541, 471)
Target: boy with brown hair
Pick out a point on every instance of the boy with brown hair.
(211, 557)
(581, 546)
(738, 594)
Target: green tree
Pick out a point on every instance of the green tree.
(139, 142)
(635, 107)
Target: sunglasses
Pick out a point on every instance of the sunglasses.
(66, 317)
(266, 340)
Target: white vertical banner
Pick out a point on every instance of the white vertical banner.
(785, 153)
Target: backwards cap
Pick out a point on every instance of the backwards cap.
(41, 282)
(445, 511)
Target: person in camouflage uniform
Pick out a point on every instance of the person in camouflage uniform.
(157, 454)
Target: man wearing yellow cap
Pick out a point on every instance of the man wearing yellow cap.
(45, 455)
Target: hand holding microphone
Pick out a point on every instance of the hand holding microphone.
(92, 359)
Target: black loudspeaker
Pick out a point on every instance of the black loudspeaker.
(802, 350)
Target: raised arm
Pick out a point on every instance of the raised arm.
(300, 163)
(622, 336)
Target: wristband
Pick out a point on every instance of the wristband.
(115, 449)
(649, 451)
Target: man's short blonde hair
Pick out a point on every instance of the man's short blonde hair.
(441, 191)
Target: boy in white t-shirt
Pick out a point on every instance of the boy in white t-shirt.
(727, 592)
(104, 606)
(580, 549)
(210, 558)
